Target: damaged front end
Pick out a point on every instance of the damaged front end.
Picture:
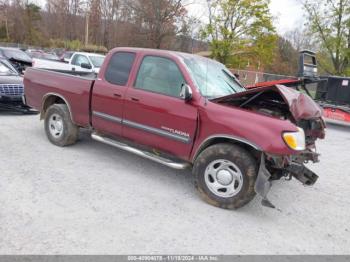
(273, 167)
(284, 103)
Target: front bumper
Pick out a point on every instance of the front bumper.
(9, 99)
(275, 167)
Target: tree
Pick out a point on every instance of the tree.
(235, 26)
(31, 17)
(64, 23)
(285, 59)
(329, 23)
(301, 39)
(4, 28)
(95, 21)
(159, 19)
(186, 41)
(109, 10)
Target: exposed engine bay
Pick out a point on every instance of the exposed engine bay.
(283, 103)
(265, 102)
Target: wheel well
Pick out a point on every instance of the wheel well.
(255, 152)
(50, 100)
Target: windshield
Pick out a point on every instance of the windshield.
(6, 69)
(212, 78)
(68, 55)
(17, 54)
(97, 61)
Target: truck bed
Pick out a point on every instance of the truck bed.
(86, 75)
(69, 85)
(46, 64)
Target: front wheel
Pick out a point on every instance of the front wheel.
(225, 175)
(59, 128)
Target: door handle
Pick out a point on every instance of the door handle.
(135, 99)
(117, 95)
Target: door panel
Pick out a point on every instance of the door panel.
(154, 114)
(159, 121)
(108, 94)
(107, 107)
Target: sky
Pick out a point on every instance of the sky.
(288, 15)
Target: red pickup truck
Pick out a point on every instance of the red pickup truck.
(182, 111)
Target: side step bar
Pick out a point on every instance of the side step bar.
(145, 154)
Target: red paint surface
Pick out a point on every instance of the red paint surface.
(276, 82)
(336, 114)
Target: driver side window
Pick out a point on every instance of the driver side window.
(160, 75)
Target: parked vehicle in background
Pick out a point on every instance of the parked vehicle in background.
(66, 56)
(79, 62)
(18, 58)
(11, 88)
(42, 55)
(182, 111)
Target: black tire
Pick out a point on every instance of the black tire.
(70, 132)
(239, 157)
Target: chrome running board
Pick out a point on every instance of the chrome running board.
(145, 154)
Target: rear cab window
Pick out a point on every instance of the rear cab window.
(119, 68)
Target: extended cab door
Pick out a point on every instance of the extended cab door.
(154, 113)
(109, 91)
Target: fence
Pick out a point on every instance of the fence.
(247, 77)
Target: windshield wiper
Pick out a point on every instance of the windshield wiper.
(232, 78)
(229, 85)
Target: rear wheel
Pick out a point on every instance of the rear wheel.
(59, 128)
(225, 175)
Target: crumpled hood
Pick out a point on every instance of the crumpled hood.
(21, 60)
(301, 105)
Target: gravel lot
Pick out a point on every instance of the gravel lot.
(91, 198)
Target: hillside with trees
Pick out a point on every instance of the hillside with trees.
(109, 23)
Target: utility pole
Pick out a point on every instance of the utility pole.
(87, 28)
(7, 29)
(87, 16)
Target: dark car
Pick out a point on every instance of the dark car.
(18, 58)
(11, 88)
(11, 83)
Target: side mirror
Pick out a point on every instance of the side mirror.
(186, 92)
(86, 66)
